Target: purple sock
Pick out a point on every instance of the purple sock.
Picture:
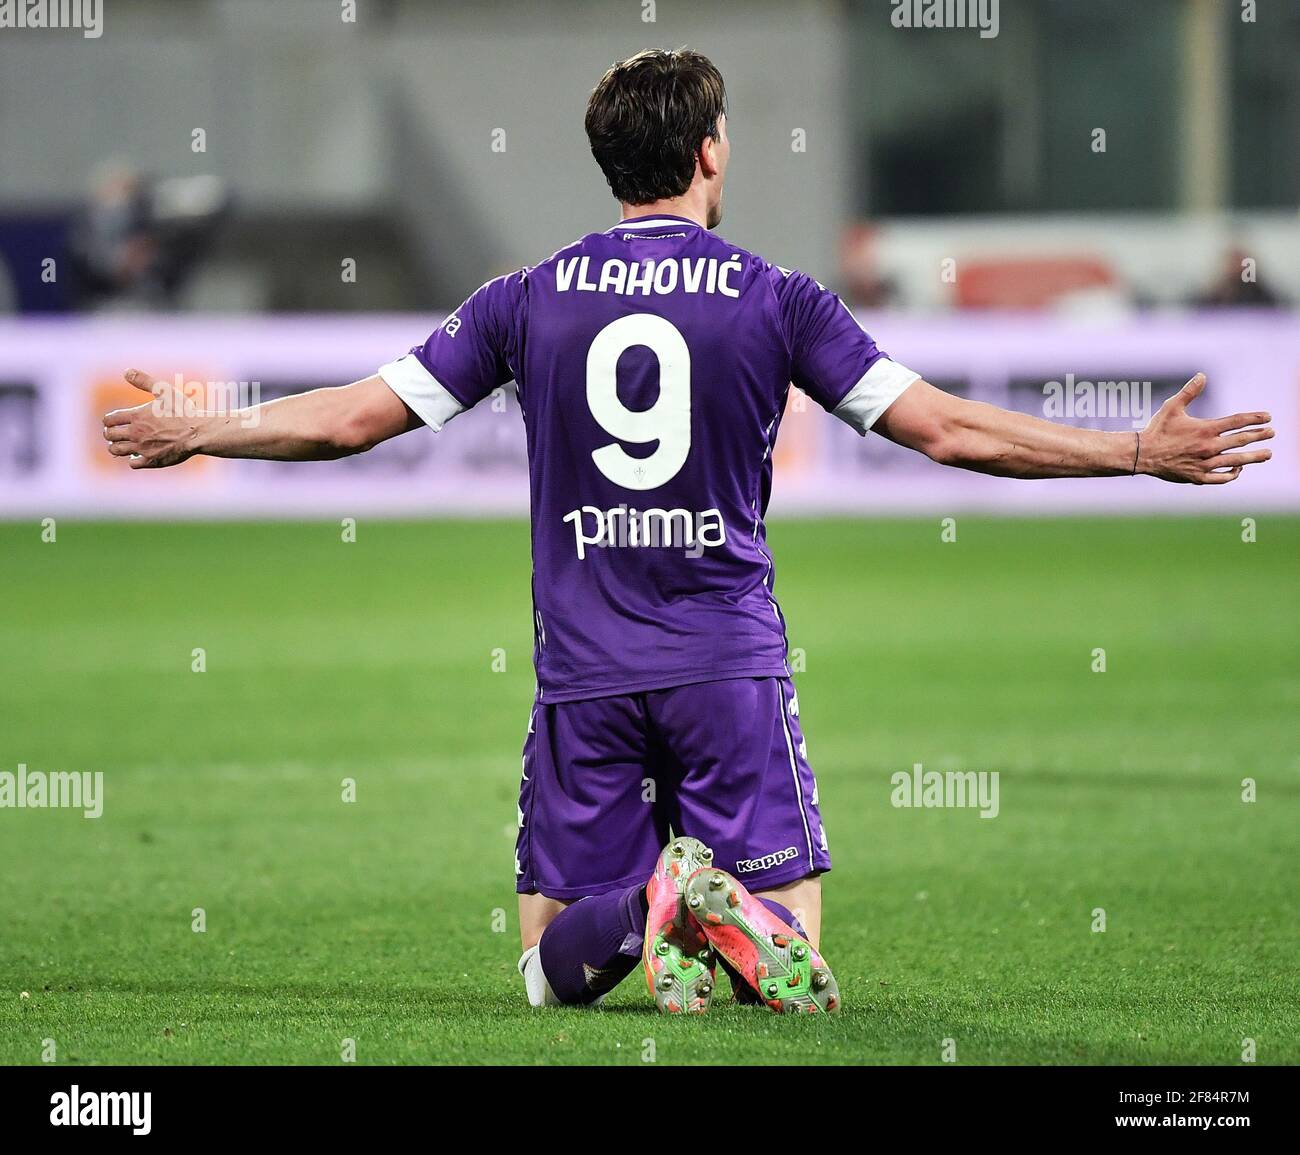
(592, 945)
(743, 991)
(785, 914)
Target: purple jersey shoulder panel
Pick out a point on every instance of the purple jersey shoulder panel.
(474, 351)
(653, 362)
(829, 351)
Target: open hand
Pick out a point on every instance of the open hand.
(1178, 447)
(155, 434)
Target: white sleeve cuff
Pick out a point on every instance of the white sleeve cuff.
(421, 390)
(879, 387)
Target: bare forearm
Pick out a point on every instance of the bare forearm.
(997, 441)
(316, 426)
(1174, 446)
(305, 427)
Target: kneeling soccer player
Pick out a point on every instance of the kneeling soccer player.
(667, 811)
(604, 780)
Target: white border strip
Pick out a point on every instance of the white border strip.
(794, 770)
(658, 223)
(877, 389)
(421, 390)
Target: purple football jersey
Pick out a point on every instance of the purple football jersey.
(653, 362)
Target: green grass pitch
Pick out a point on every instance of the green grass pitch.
(390, 920)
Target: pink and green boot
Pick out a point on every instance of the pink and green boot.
(779, 963)
(679, 963)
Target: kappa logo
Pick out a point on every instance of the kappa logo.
(749, 865)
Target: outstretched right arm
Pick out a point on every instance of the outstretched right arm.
(469, 355)
(317, 426)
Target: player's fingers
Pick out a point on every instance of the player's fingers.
(141, 380)
(140, 463)
(123, 448)
(1189, 392)
(121, 432)
(1237, 440)
(1220, 478)
(120, 416)
(1239, 421)
(1237, 460)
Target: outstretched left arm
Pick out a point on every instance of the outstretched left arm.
(1173, 447)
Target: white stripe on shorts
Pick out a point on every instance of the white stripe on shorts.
(794, 770)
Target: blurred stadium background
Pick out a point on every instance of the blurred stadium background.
(173, 189)
(355, 182)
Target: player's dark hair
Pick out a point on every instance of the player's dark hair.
(647, 118)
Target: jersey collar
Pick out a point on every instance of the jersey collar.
(658, 220)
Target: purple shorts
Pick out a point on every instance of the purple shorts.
(605, 779)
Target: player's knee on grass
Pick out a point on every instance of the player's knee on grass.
(586, 950)
(539, 990)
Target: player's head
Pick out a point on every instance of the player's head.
(657, 127)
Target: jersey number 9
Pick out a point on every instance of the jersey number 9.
(667, 421)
